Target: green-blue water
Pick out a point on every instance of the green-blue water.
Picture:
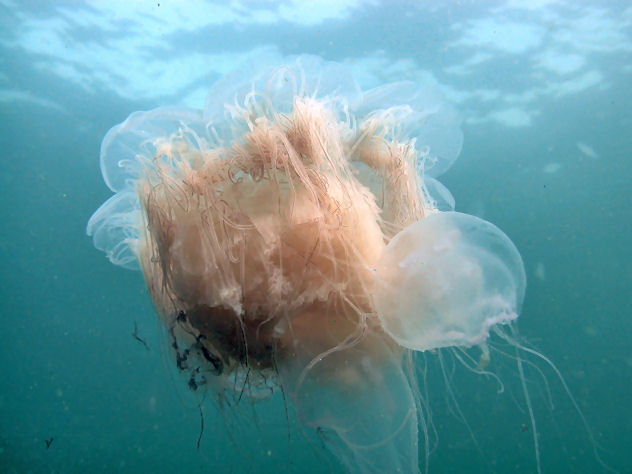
(544, 91)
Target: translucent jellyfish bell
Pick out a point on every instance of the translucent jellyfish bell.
(446, 280)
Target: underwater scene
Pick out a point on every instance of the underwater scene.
(361, 236)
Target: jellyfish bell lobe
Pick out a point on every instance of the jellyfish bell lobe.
(446, 280)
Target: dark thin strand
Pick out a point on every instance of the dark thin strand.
(287, 414)
(137, 337)
(244, 385)
(201, 426)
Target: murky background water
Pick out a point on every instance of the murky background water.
(544, 90)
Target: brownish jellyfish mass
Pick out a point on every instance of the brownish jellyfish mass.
(250, 248)
(292, 235)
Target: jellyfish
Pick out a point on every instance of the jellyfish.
(293, 236)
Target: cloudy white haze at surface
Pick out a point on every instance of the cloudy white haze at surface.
(154, 51)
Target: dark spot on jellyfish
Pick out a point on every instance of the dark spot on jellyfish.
(181, 317)
(196, 379)
(174, 342)
(217, 363)
(181, 359)
(245, 338)
(49, 442)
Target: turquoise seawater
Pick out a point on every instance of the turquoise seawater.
(544, 91)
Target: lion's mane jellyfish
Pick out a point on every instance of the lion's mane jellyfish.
(292, 235)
